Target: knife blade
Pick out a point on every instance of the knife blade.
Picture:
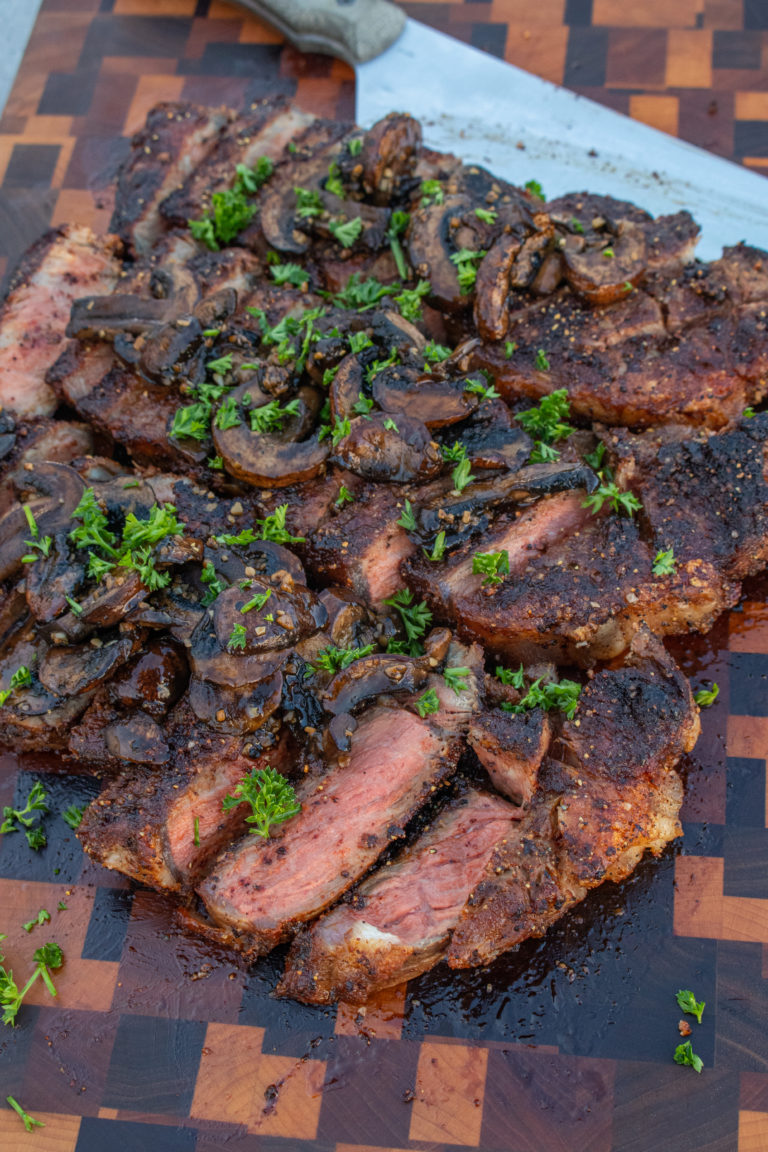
(491, 113)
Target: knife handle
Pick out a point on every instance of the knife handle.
(355, 30)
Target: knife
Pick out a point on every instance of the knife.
(518, 125)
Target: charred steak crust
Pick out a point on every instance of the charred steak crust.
(331, 396)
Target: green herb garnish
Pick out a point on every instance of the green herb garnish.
(427, 704)
(271, 797)
(687, 1002)
(494, 566)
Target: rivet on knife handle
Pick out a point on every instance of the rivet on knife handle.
(355, 30)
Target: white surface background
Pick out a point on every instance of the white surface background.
(16, 20)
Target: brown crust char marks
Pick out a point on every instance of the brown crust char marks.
(266, 889)
(362, 546)
(399, 921)
(611, 796)
(66, 263)
(134, 412)
(145, 822)
(511, 746)
(262, 131)
(172, 143)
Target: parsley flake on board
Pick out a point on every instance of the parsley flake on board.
(687, 1002)
(271, 797)
(705, 697)
(684, 1054)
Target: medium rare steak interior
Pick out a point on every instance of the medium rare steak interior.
(347, 495)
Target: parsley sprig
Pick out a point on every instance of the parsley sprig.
(415, 620)
(40, 546)
(684, 1054)
(546, 424)
(21, 678)
(28, 1121)
(230, 210)
(28, 818)
(134, 548)
(625, 503)
(46, 958)
(562, 697)
(427, 704)
(333, 659)
(456, 678)
(271, 797)
(467, 262)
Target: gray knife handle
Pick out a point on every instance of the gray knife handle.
(355, 30)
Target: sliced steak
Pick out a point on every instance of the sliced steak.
(511, 747)
(162, 824)
(362, 545)
(172, 143)
(399, 920)
(264, 130)
(263, 890)
(611, 795)
(64, 264)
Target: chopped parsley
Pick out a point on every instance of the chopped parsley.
(257, 602)
(467, 262)
(438, 548)
(42, 917)
(344, 497)
(485, 391)
(407, 519)
(535, 189)
(427, 704)
(409, 301)
(46, 958)
(456, 678)
(398, 222)
(625, 503)
(28, 818)
(684, 1054)
(494, 566)
(487, 215)
(435, 353)
(664, 563)
(271, 797)
(562, 697)
(705, 697)
(237, 638)
(542, 361)
(21, 678)
(308, 203)
(73, 815)
(462, 475)
(269, 417)
(28, 1121)
(687, 1002)
(514, 679)
(333, 659)
(289, 274)
(415, 620)
(346, 232)
(431, 193)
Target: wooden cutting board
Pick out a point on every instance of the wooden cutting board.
(157, 1043)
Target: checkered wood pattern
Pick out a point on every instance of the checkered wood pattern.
(154, 1043)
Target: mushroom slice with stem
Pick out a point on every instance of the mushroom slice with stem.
(267, 459)
(381, 448)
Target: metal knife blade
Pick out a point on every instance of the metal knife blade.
(520, 126)
(483, 110)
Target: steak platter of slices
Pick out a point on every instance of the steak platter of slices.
(347, 496)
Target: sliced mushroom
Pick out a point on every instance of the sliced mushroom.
(436, 402)
(348, 385)
(139, 740)
(105, 317)
(533, 252)
(387, 154)
(347, 619)
(72, 669)
(155, 679)
(528, 484)
(492, 287)
(602, 271)
(236, 710)
(381, 448)
(339, 734)
(263, 459)
(430, 249)
(295, 613)
(173, 345)
(231, 669)
(263, 558)
(371, 676)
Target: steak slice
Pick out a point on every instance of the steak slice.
(264, 889)
(64, 264)
(523, 537)
(612, 795)
(399, 920)
(172, 143)
(511, 746)
(264, 130)
(362, 545)
(146, 821)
